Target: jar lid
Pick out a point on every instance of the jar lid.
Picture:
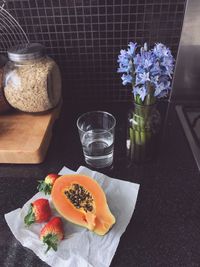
(25, 52)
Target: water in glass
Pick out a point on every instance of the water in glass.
(98, 148)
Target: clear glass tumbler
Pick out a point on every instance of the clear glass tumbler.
(97, 130)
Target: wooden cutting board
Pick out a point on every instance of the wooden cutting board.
(24, 138)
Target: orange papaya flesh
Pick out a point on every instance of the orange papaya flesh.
(81, 200)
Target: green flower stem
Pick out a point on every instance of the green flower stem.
(143, 137)
(131, 133)
(140, 135)
(137, 144)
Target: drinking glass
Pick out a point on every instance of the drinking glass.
(96, 131)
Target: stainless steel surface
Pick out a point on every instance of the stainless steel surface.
(11, 33)
(186, 83)
(190, 120)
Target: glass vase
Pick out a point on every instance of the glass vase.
(143, 133)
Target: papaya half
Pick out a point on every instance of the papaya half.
(81, 200)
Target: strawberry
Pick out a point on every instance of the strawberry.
(39, 211)
(47, 184)
(52, 233)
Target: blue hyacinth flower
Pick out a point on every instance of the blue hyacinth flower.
(143, 67)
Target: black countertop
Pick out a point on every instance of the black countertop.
(165, 227)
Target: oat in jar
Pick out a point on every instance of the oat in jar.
(32, 81)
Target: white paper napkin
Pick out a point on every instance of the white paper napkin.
(80, 248)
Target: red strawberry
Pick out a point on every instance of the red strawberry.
(52, 233)
(47, 184)
(39, 211)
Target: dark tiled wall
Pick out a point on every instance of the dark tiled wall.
(85, 37)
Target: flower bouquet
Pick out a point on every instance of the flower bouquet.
(149, 71)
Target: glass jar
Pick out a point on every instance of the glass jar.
(4, 106)
(32, 80)
(143, 133)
